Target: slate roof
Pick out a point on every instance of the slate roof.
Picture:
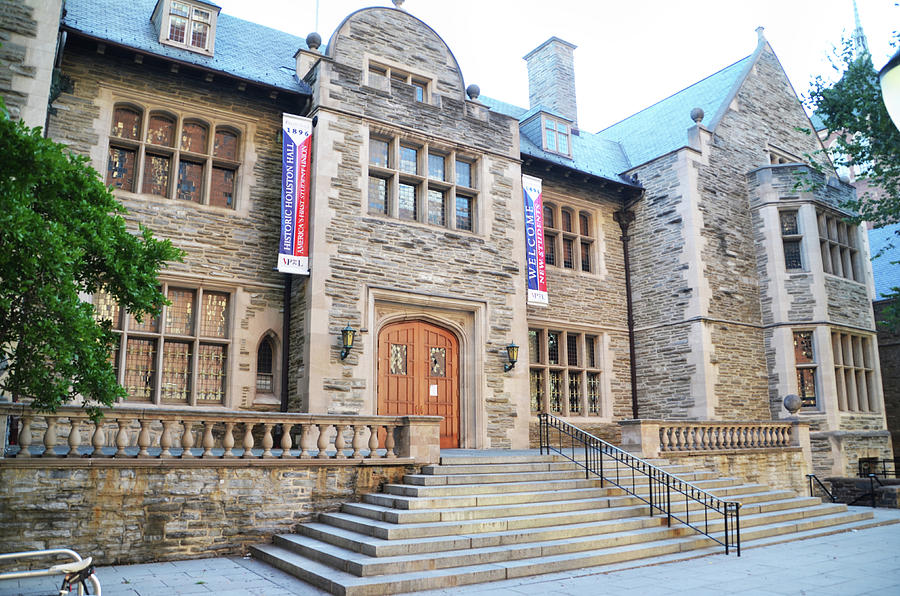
(242, 49)
(884, 245)
(662, 127)
(646, 135)
(590, 154)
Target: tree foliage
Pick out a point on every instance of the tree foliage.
(62, 235)
(853, 110)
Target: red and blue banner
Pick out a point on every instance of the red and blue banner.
(293, 246)
(534, 241)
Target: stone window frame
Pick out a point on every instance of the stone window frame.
(127, 328)
(558, 235)
(839, 242)
(142, 147)
(381, 75)
(854, 372)
(791, 237)
(395, 174)
(583, 370)
(552, 137)
(804, 365)
(199, 14)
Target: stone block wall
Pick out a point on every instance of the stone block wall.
(124, 512)
(889, 355)
(226, 249)
(780, 469)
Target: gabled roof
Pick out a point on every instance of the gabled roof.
(662, 127)
(243, 49)
(590, 153)
(884, 244)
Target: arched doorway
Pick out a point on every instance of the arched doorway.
(418, 374)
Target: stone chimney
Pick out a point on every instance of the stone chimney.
(551, 77)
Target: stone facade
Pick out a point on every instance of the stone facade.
(226, 249)
(889, 355)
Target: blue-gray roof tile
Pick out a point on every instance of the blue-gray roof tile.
(884, 244)
(662, 127)
(242, 49)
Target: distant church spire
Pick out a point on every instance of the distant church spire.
(860, 45)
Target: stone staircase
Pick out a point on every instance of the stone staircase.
(485, 518)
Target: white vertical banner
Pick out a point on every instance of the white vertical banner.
(293, 247)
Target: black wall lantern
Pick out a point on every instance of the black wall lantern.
(346, 340)
(512, 352)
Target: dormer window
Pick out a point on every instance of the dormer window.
(188, 25)
(556, 136)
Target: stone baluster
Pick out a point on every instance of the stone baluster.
(268, 441)
(737, 441)
(373, 440)
(248, 440)
(286, 441)
(187, 439)
(50, 437)
(144, 438)
(357, 440)
(322, 443)
(25, 437)
(681, 438)
(74, 437)
(121, 437)
(97, 439)
(165, 440)
(304, 440)
(663, 438)
(704, 438)
(208, 442)
(339, 442)
(389, 443)
(228, 440)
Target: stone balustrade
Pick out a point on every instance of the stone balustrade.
(164, 434)
(654, 438)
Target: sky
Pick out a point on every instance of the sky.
(630, 54)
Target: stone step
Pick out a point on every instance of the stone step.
(456, 469)
(414, 503)
(617, 507)
(494, 478)
(483, 489)
(490, 459)
(373, 546)
(365, 566)
(402, 516)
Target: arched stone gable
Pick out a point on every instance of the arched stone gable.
(397, 38)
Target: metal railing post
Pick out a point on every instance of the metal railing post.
(669, 503)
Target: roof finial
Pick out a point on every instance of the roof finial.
(398, 4)
(697, 115)
(760, 32)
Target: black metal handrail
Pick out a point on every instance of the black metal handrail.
(873, 478)
(812, 477)
(660, 484)
(886, 468)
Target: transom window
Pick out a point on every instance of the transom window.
(565, 373)
(159, 152)
(568, 238)
(180, 357)
(421, 182)
(791, 240)
(189, 25)
(556, 136)
(382, 76)
(837, 239)
(853, 372)
(805, 362)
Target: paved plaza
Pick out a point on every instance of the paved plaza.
(844, 564)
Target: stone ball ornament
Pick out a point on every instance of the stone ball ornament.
(473, 91)
(697, 115)
(313, 41)
(792, 403)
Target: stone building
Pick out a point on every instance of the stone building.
(687, 277)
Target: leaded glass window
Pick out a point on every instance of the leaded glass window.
(568, 373)
(438, 362)
(398, 359)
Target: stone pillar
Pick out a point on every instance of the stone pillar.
(420, 439)
(641, 437)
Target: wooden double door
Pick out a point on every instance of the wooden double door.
(418, 374)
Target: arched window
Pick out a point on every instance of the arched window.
(265, 379)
